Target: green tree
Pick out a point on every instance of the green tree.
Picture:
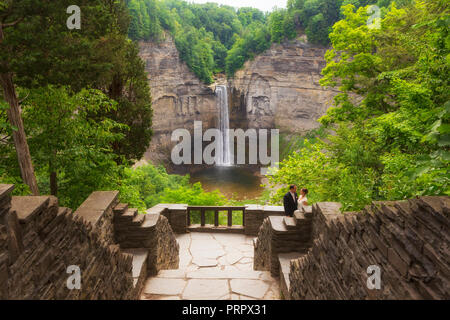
(148, 185)
(69, 148)
(255, 40)
(389, 125)
(276, 25)
(203, 33)
(37, 48)
(130, 89)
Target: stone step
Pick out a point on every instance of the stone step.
(277, 223)
(127, 216)
(150, 220)
(130, 213)
(139, 219)
(299, 215)
(29, 206)
(120, 209)
(63, 211)
(137, 234)
(95, 206)
(284, 260)
(5, 195)
(255, 242)
(6, 189)
(290, 222)
(307, 210)
(139, 270)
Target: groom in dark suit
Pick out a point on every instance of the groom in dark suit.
(290, 201)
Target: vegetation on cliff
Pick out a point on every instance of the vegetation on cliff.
(204, 33)
(389, 130)
(215, 38)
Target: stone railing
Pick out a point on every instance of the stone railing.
(216, 210)
(179, 217)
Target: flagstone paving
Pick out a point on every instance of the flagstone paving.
(213, 266)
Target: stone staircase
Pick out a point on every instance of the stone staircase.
(139, 269)
(43, 239)
(280, 240)
(284, 260)
(137, 236)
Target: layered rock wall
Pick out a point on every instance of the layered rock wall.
(280, 88)
(179, 97)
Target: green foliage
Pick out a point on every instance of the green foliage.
(130, 89)
(276, 25)
(290, 143)
(65, 143)
(389, 129)
(148, 185)
(40, 50)
(196, 52)
(316, 17)
(229, 37)
(255, 40)
(64, 140)
(204, 34)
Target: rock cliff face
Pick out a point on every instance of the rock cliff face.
(179, 97)
(280, 88)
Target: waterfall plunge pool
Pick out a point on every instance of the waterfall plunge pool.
(234, 182)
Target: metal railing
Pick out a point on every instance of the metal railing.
(204, 209)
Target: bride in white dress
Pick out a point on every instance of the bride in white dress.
(302, 199)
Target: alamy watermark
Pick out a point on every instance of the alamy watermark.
(374, 20)
(215, 152)
(374, 279)
(74, 21)
(74, 280)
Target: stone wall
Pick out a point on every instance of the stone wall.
(408, 240)
(39, 240)
(255, 215)
(281, 234)
(176, 214)
(280, 88)
(42, 240)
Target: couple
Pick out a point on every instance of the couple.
(292, 201)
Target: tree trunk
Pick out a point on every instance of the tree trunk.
(53, 175)
(19, 137)
(53, 184)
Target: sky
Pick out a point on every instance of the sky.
(264, 5)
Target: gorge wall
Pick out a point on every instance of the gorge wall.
(279, 88)
(179, 97)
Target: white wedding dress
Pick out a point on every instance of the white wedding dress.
(302, 201)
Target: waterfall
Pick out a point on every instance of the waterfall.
(224, 125)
